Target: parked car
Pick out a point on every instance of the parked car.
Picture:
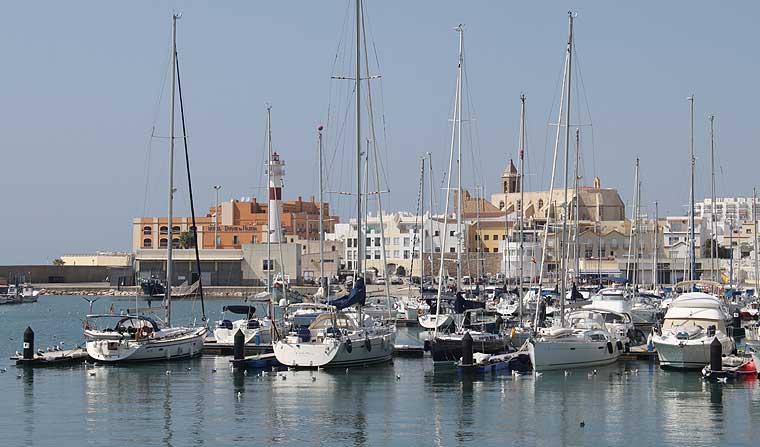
(380, 280)
(396, 280)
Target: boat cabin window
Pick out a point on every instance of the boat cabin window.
(325, 321)
(688, 323)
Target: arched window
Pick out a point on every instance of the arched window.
(164, 229)
(147, 242)
(147, 230)
(175, 242)
(175, 229)
(540, 203)
(163, 243)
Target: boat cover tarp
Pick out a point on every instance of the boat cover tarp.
(239, 309)
(358, 295)
(575, 294)
(461, 304)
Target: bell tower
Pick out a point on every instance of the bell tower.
(510, 179)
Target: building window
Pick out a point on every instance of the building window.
(477, 237)
(436, 233)
(451, 233)
(485, 249)
(332, 248)
(377, 254)
(406, 242)
(437, 249)
(163, 243)
(395, 241)
(267, 264)
(235, 240)
(368, 255)
(396, 254)
(387, 241)
(589, 253)
(377, 242)
(146, 230)
(350, 242)
(504, 237)
(176, 229)
(164, 230)
(147, 242)
(495, 250)
(540, 203)
(175, 242)
(387, 253)
(496, 237)
(452, 250)
(485, 237)
(368, 242)
(406, 254)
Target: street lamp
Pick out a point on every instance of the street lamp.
(216, 217)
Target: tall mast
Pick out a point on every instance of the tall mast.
(477, 231)
(692, 161)
(655, 269)
(322, 281)
(430, 219)
(445, 231)
(754, 233)
(422, 222)
(550, 203)
(520, 216)
(577, 204)
(630, 268)
(168, 300)
(359, 237)
(713, 222)
(460, 30)
(564, 242)
(270, 264)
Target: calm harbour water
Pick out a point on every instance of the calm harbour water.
(142, 405)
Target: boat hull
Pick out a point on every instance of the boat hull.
(129, 350)
(449, 349)
(554, 354)
(335, 353)
(687, 354)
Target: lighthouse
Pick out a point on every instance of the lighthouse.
(275, 170)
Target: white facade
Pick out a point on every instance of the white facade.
(531, 260)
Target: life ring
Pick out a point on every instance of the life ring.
(368, 344)
(349, 346)
(420, 312)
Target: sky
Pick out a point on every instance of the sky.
(84, 83)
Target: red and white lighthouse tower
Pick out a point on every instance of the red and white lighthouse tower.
(276, 170)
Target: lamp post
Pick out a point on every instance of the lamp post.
(216, 217)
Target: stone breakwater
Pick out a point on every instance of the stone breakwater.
(211, 292)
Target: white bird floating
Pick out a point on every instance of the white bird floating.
(213, 370)
(723, 379)
(168, 372)
(567, 373)
(92, 373)
(239, 395)
(313, 379)
(398, 377)
(537, 374)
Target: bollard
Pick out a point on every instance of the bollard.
(28, 343)
(716, 355)
(238, 350)
(467, 349)
(737, 320)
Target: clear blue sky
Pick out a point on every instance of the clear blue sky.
(81, 83)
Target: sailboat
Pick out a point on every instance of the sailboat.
(341, 337)
(578, 339)
(137, 337)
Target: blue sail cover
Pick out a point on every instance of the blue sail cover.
(358, 295)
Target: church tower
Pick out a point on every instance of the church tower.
(510, 179)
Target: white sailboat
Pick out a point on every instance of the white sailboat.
(340, 337)
(580, 339)
(139, 337)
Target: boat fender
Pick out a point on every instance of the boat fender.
(609, 347)
(349, 347)
(368, 344)
(620, 345)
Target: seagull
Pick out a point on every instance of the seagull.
(567, 373)
(4, 370)
(92, 373)
(213, 370)
(283, 377)
(189, 368)
(594, 372)
(239, 395)
(636, 371)
(313, 379)
(245, 372)
(516, 374)
(723, 379)
(590, 375)
(537, 374)
(168, 372)
(583, 424)
(398, 377)
(18, 376)
(346, 370)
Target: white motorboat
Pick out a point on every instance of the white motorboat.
(136, 338)
(618, 324)
(23, 293)
(693, 320)
(433, 321)
(585, 343)
(256, 330)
